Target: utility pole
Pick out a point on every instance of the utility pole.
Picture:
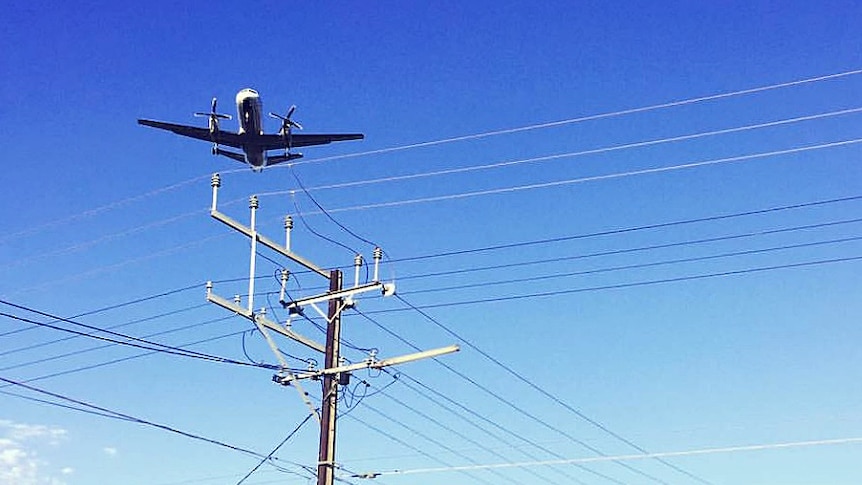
(329, 405)
(334, 372)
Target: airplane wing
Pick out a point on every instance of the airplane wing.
(221, 137)
(273, 142)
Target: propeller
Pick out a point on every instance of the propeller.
(287, 125)
(213, 116)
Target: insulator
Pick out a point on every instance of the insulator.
(378, 254)
(288, 222)
(215, 181)
(252, 202)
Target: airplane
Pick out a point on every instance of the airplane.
(251, 139)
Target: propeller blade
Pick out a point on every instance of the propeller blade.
(290, 111)
(215, 102)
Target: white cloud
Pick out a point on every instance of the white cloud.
(19, 461)
(17, 465)
(110, 451)
(67, 471)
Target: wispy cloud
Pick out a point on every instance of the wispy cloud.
(19, 461)
(23, 432)
(110, 451)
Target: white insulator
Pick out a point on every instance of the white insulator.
(378, 255)
(288, 227)
(357, 265)
(215, 182)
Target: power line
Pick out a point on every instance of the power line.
(462, 195)
(108, 237)
(109, 413)
(435, 441)
(494, 424)
(116, 306)
(404, 444)
(141, 343)
(104, 346)
(594, 151)
(119, 325)
(320, 207)
(678, 279)
(98, 210)
(269, 456)
(560, 183)
(452, 430)
(459, 170)
(651, 264)
(122, 359)
(671, 104)
(525, 413)
(616, 252)
(544, 392)
(668, 454)
(624, 230)
(580, 119)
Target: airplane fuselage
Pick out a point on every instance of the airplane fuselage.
(249, 109)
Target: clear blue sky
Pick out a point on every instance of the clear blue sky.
(98, 211)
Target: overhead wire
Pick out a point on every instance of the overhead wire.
(592, 421)
(525, 413)
(435, 441)
(450, 429)
(50, 358)
(117, 265)
(581, 119)
(406, 444)
(578, 180)
(121, 359)
(455, 196)
(109, 413)
(637, 228)
(458, 170)
(651, 264)
(320, 207)
(274, 450)
(617, 286)
(619, 251)
(630, 250)
(505, 298)
(111, 327)
(668, 454)
(130, 340)
(594, 151)
(611, 114)
(116, 306)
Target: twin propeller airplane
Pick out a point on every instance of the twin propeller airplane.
(250, 138)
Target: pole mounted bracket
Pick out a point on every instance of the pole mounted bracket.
(373, 363)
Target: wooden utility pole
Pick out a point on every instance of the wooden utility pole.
(329, 404)
(338, 298)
